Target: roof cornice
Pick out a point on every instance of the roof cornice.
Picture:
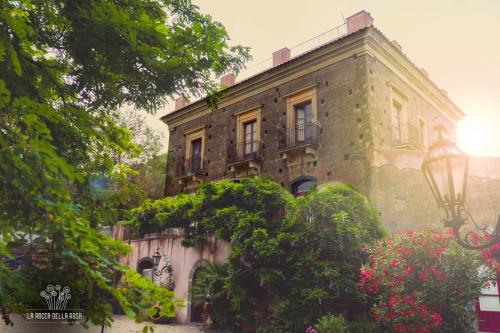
(365, 41)
(383, 50)
(325, 55)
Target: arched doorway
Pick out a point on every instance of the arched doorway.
(145, 267)
(195, 310)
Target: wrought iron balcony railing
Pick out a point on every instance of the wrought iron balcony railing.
(304, 134)
(244, 151)
(193, 166)
(406, 134)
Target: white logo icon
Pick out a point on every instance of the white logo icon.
(55, 297)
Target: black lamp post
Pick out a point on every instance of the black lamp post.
(165, 269)
(446, 169)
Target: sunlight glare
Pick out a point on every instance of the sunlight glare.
(477, 137)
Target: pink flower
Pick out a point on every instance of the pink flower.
(436, 318)
(422, 277)
(311, 329)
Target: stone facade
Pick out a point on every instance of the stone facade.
(365, 93)
(342, 99)
(400, 192)
(373, 112)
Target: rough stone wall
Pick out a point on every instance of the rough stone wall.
(398, 188)
(483, 193)
(404, 200)
(341, 109)
(184, 262)
(380, 105)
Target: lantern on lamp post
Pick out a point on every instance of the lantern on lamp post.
(446, 169)
(156, 258)
(165, 269)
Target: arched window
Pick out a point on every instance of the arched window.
(303, 185)
(145, 267)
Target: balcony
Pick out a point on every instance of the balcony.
(299, 138)
(243, 152)
(244, 158)
(189, 170)
(406, 135)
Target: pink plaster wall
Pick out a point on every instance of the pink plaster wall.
(182, 259)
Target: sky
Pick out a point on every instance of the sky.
(456, 42)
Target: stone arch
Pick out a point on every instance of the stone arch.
(197, 265)
(144, 263)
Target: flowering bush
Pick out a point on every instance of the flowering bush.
(491, 253)
(311, 329)
(423, 282)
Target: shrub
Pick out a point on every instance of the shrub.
(423, 282)
(212, 282)
(324, 258)
(332, 323)
(363, 325)
(291, 259)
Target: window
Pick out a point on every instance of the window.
(195, 146)
(303, 121)
(302, 128)
(400, 128)
(422, 130)
(248, 132)
(301, 108)
(250, 136)
(196, 155)
(303, 186)
(397, 114)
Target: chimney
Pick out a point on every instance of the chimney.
(359, 21)
(281, 56)
(228, 80)
(181, 102)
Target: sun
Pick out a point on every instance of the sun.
(477, 137)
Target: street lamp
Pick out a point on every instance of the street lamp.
(445, 169)
(165, 269)
(156, 258)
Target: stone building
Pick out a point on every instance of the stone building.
(355, 110)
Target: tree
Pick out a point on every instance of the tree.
(334, 223)
(291, 260)
(65, 68)
(150, 176)
(149, 167)
(211, 284)
(147, 138)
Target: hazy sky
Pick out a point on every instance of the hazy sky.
(456, 41)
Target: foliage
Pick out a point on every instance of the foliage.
(147, 138)
(65, 68)
(211, 283)
(363, 325)
(423, 282)
(150, 176)
(325, 258)
(332, 324)
(291, 259)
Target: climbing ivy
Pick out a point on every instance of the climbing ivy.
(291, 260)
